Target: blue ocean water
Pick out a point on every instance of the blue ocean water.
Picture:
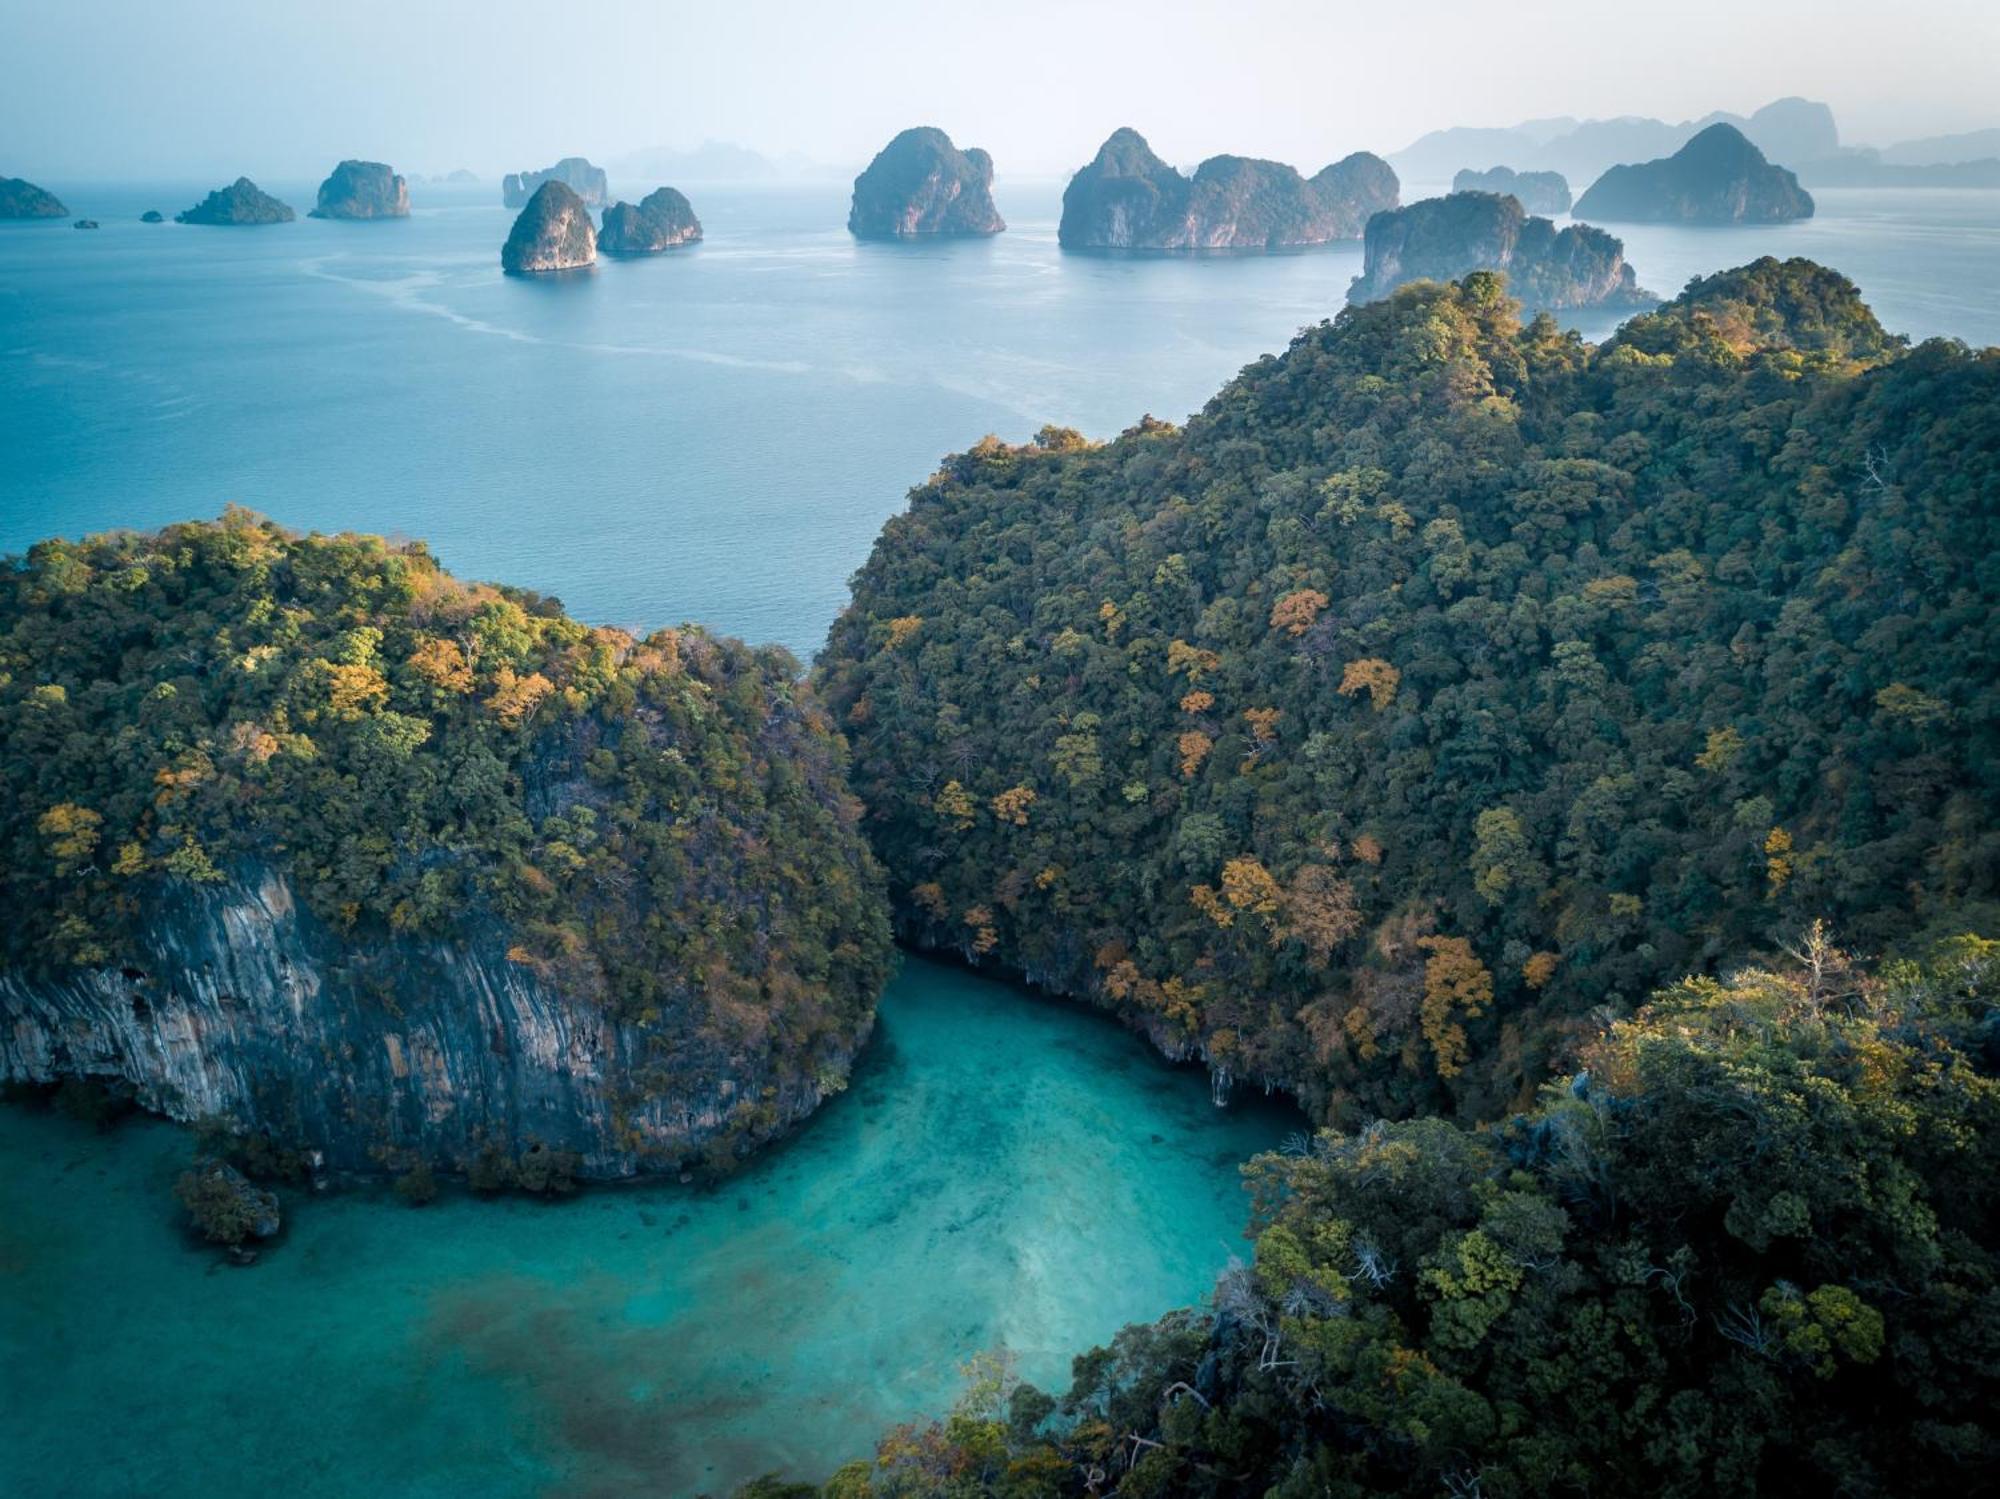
(713, 435)
(716, 434)
(1002, 1172)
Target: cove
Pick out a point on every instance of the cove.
(1003, 1171)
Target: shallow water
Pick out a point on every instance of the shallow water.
(716, 434)
(1003, 1171)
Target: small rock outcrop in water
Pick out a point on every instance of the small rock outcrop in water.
(226, 1207)
(553, 233)
(1443, 239)
(1719, 177)
(363, 190)
(921, 184)
(85, 224)
(574, 172)
(1129, 199)
(21, 199)
(1539, 192)
(242, 202)
(152, 216)
(663, 219)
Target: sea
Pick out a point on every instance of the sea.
(714, 435)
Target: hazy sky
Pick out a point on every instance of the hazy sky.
(209, 88)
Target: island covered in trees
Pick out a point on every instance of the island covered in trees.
(1401, 733)
(920, 185)
(310, 839)
(1127, 198)
(1442, 239)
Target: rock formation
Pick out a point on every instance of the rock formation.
(21, 199)
(574, 172)
(152, 216)
(85, 224)
(1719, 177)
(1539, 192)
(663, 219)
(363, 190)
(1129, 199)
(920, 184)
(640, 927)
(242, 202)
(1443, 239)
(553, 233)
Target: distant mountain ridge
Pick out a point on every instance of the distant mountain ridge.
(1788, 131)
(1797, 133)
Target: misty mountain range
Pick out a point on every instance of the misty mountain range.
(1798, 133)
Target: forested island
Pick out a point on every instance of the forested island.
(1127, 198)
(1443, 239)
(362, 190)
(242, 202)
(1539, 192)
(576, 173)
(386, 871)
(553, 232)
(1445, 691)
(921, 185)
(21, 199)
(662, 220)
(1719, 177)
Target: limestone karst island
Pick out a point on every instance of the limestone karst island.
(741, 757)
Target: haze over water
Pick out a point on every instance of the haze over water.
(716, 434)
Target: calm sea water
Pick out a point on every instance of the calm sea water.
(1003, 1171)
(715, 435)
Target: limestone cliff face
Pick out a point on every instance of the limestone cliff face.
(920, 185)
(662, 220)
(1129, 199)
(553, 233)
(363, 190)
(1444, 239)
(1719, 177)
(236, 1002)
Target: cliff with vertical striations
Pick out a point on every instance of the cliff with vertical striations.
(307, 835)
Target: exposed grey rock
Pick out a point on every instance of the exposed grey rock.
(1444, 239)
(919, 185)
(553, 233)
(240, 1004)
(363, 190)
(1127, 198)
(662, 220)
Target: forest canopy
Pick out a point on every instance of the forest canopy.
(660, 825)
(1447, 680)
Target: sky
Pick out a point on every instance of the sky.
(199, 89)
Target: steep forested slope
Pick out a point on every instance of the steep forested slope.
(1749, 1250)
(1447, 680)
(307, 832)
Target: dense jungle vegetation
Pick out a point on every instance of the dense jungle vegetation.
(1449, 683)
(1749, 1248)
(660, 826)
